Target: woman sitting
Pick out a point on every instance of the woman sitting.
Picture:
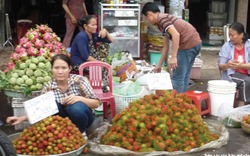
(73, 94)
(84, 46)
(234, 61)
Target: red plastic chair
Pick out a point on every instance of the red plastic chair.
(95, 78)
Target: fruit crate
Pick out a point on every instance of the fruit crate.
(18, 110)
(122, 101)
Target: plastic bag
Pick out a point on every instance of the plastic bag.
(234, 117)
(124, 65)
(101, 149)
(128, 88)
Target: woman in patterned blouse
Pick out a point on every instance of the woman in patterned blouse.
(73, 94)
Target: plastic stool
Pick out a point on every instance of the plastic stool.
(197, 98)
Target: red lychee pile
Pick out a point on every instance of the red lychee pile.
(164, 121)
(53, 135)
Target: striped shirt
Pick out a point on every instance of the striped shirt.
(77, 85)
(189, 37)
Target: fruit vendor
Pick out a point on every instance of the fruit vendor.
(84, 46)
(186, 44)
(234, 61)
(74, 95)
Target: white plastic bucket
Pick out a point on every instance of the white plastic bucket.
(221, 92)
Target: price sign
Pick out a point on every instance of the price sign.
(40, 107)
(159, 81)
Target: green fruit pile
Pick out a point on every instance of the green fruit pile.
(53, 135)
(164, 121)
(30, 75)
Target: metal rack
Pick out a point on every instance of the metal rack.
(8, 32)
(123, 23)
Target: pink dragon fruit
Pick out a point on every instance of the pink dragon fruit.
(23, 40)
(24, 56)
(43, 52)
(10, 66)
(28, 44)
(19, 49)
(57, 51)
(32, 51)
(43, 28)
(14, 57)
(39, 43)
(33, 35)
(49, 46)
(47, 37)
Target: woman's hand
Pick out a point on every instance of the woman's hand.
(13, 120)
(71, 99)
(234, 65)
(73, 20)
(103, 33)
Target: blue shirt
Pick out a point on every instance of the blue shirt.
(80, 51)
(227, 53)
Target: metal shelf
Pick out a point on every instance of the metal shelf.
(116, 16)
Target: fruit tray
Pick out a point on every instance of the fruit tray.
(72, 153)
(17, 94)
(12, 93)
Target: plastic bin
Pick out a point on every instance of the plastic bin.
(221, 93)
(122, 101)
(155, 57)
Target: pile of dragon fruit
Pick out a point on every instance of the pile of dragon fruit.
(39, 41)
(29, 68)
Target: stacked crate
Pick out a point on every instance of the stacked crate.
(216, 19)
(18, 109)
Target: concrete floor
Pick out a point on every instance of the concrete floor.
(238, 143)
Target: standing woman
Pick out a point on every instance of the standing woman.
(84, 46)
(234, 61)
(73, 94)
(75, 10)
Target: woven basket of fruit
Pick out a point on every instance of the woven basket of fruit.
(245, 123)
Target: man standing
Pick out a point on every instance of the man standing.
(186, 44)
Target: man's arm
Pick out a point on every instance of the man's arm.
(164, 54)
(175, 46)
